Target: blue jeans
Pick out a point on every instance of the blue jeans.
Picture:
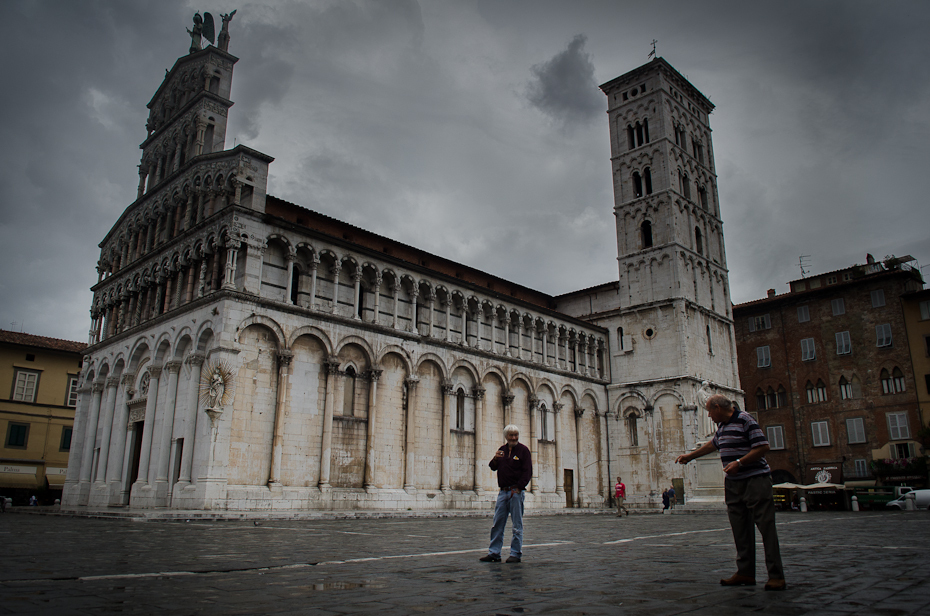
(507, 503)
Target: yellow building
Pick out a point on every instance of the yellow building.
(39, 377)
(917, 319)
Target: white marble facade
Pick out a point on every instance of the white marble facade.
(349, 371)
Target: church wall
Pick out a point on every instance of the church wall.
(427, 445)
(252, 421)
(307, 392)
(391, 423)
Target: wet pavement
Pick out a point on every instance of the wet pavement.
(835, 563)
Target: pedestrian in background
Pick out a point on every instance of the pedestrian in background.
(620, 495)
(514, 470)
(664, 501)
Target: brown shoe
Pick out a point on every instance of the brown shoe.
(738, 580)
(775, 584)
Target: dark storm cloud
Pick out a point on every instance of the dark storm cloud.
(564, 87)
(425, 123)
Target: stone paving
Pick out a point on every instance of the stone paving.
(836, 563)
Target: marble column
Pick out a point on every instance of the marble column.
(190, 419)
(448, 403)
(326, 446)
(377, 289)
(337, 267)
(290, 277)
(534, 442)
(314, 265)
(90, 432)
(580, 443)
(148, 425)
(480, 462)
(167, 428)
(507, 399)
(357, 291)
(559, 474)
(396, 289)
(112, 383)
(373, 375)
(409, 465)
(118, 438)
(280, 416)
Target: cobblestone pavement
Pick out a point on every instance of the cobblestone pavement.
(836, 563)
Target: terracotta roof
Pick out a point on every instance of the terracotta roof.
(42, 342)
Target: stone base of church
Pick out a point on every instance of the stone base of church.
(214, 495)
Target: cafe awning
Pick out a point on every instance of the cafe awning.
(787, 486)
(18, 476)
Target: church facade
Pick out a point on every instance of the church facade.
(247, 353)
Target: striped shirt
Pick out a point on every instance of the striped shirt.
(735, 438)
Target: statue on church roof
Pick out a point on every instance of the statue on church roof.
(224, 33)
(196, 33)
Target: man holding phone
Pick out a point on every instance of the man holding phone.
(514, 471)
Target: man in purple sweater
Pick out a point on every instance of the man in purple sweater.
(514, 470)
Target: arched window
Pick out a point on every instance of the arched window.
(640, 139)
(637, 184)
(620, 337)
(646, 129)
(821, 391)
(782, 396)
(631, 137)
(348, 401)
(710, 342)
(760, 399)
(686, 186)
(898, 378)
(646, 231)
(361, 301)
(632, 428)
(295, 284)
(887, 384)
(460, 410)
(698, 241)
(811, 393)
(543, 422)
(845, 389)
(702, 193)
(647, 178)
(771, 401)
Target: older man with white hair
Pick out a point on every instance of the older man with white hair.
(514, 470)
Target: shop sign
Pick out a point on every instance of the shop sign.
(825, 473)
(18, 470)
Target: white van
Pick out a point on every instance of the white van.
(921, 500)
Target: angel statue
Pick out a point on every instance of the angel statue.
(223, 39)
(196, 33)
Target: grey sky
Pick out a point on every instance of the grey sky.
(474, 129)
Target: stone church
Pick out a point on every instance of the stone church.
(247, 353)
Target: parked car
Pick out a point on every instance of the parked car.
(921, 500)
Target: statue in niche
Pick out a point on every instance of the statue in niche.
(216, 385)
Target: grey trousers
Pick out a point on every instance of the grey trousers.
(749, 504)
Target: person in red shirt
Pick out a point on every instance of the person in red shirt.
(620, 495)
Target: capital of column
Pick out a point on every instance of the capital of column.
(447, 387)
(97, 387)
(173, 366)
(284, 357)
(155, 371)
(557, 406)
(197, 359)
(534, 402)
(112, 382)
(127, 379)
(507, 398)
(374, 374)
(478, 392)
(579, 411)
(412, 382)
(332, 365)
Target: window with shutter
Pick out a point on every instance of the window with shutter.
(883, 335)
(763, 357)
(838, 306)
(897, 426)
(804, 314)
(821, 433)
(855, 430)
(878, 298)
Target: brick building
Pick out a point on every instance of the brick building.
(827, 371)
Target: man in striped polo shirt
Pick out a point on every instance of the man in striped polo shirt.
(747, 489)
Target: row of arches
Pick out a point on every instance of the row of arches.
(138, 417)
(319, 278)
(205, 190)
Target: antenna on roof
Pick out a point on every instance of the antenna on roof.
(804, 264)
(652, 54)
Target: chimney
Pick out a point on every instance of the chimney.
(771, 292)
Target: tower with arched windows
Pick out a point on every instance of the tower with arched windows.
(669, 311)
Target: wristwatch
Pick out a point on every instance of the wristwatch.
(740, 462)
